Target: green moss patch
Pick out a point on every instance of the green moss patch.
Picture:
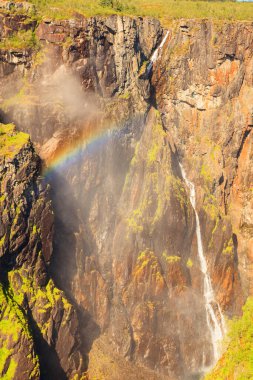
(13, 326)
(171, 259)
(11, 141)
(19, 41)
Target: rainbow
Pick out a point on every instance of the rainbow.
(93, 134)
(71, 152)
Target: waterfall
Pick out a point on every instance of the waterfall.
(214, 317)
(155, 55)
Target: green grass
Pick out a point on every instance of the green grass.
(171, 9)
(165, 10)
(237, 361)
(20, 40)
(62, 9)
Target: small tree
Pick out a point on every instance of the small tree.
(117, 5)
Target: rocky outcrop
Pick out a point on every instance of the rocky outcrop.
(11, 23)
(38, 326)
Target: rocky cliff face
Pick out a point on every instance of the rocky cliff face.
(39, 328)
(98, 60)
(204, 95)
(125, 248)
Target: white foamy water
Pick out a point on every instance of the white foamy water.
(214, 317)
(156, 53)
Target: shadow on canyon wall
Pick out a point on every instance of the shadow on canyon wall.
(63, 266)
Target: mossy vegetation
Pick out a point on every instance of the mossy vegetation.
(180, 50)
(147, 260)
(14, 226)
(15, 321)
(35, 230)
(13, 328)
(180, 192)
(11, 141)
(2, 198)
(206, 174)
(5, 353)
(9, 375)
(2, 240)
(137, 218)
(210, 172)
(171, 259)
(42, 299)
(159, 182)
(228, 248)
(23, 39)
(210, 205)
(143, 68)
(157, 138)
(189, 263)
(125, 96)
(237, 361)
(135, 222)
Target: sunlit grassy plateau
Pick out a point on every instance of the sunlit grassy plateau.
(162, 9)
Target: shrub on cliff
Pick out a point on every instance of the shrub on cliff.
(114, 4)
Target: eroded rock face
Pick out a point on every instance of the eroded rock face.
(96, 60)
(136, 270)
(38, 326)
(125, 247)
(10, 23)
(204, 95)
(147, 269)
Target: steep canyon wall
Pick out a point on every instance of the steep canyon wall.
(125, 249)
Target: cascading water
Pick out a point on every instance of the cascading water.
(155, 55)
(214, 317)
